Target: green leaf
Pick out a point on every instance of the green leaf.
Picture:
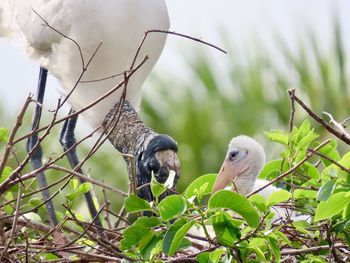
(272, 169)
(301, 193)
(311, 170)
(151, 247)
(203, 257)
(330, 150)
(278, 197)
(326, 190)
(346, 212)
(335, 204)
(134, 204)
(304, 128)
(3, 135)
(306, 140)
(259, 201)
(275, 247)
(34, 202)
(237, 203)
(277, 136)
(208, 180)
(175, 235)
(156, 187)
(132, 236)
(172, 206)
(225, 230)
(5, 173)
(8, 209)
(74, 184)
(72, 196)
(282, 237)
(258, 252)
(84, 188)
(148, 222)
(215, 256)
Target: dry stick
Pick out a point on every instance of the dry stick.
(107, 204)
(30, 153)
(341, 135)
(90, 180)
(46, 165)
(14, 223)
(294, 252)
(292, 109)
(99, 240)
(11, 143)
(35, 225)
(36, 191)
(79, 223)
(330, 160)
(171, 33)
(44, 202)
(291, 170)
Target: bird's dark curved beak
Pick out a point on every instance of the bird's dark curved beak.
(160, 157)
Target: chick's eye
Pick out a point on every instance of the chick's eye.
(233, 154)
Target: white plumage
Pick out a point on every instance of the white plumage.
(118, 24)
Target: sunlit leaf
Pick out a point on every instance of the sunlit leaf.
(215, 256)
(277, 136)
(326, 190)
(146, 221)
(156, 187)
(3, 135)
(175, 235)
(225, 230)
(237, 203)
(133, 235)
(335, 204)
(208, 180)
(278, 197)
(133, 204)
(172, 206)
(84, 188)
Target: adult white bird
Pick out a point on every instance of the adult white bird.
(62, 36)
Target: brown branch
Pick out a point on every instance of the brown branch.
(88, 179)
(341, 135)
(330, 160)
(291, 252)
(292, 108)
(11, 142)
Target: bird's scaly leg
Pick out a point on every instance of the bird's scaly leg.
(68, 142)
(35, 150)
(152, 152)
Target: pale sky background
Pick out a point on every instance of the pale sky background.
(242, 20)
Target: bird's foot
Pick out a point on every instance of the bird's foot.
(159, 158)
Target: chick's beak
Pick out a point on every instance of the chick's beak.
(228, 172)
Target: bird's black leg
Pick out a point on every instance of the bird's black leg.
(68, 141)
(37, 153)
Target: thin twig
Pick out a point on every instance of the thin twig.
(341, 135)
(291, 170)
